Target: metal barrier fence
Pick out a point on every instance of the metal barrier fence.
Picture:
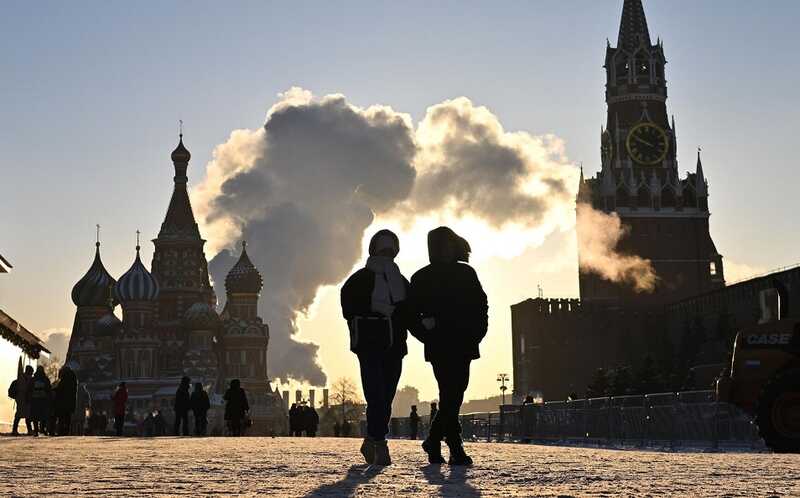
(684, 419)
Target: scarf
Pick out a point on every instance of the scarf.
(390, 287)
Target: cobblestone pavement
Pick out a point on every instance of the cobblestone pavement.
(108, 466)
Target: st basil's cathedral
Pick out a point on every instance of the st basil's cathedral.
(170, 327)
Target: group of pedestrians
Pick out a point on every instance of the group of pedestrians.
(196, 401)
(47, 408)
(443, 306)
(303, 419)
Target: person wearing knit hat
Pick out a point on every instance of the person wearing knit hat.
(375, 306)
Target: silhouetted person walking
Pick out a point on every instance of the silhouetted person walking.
(413, 423)
(236, 407)
(120, 400)
(21, 390)
(182, 406)
(200, 404)
(311, 421)
(293, 419)
(375, 307)
(454, 315)
(66, 397)
(41, 392)
(434, 411)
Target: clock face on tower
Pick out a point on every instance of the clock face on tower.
(647, 144)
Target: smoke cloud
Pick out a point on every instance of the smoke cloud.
(599, 234)
(304, 188)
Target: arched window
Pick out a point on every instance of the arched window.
(642, 64)
(622, 68)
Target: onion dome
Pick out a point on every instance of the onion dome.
(243, 278)
(181, 154)
(108, 324)
(92, 289)
(200, 316)
(137, 284)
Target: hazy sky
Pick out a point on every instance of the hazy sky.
(91, 92)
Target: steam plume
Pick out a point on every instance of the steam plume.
(599, 234)
(304, 188)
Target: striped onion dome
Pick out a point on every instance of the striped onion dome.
(108, 324)
(93, 288)
(200, 316)
(243, 278)
(137, 284)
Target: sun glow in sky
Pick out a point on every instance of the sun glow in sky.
(91, 95)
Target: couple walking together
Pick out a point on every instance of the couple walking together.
(443, 306)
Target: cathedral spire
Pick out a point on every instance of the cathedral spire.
(633, 26)
(699, 178)
(179, 220)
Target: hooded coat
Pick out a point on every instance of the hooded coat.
(182, 396)
(449, 292)
(357, 299)
(235, 401)
(66, 393)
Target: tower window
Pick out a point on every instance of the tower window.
(712, 268)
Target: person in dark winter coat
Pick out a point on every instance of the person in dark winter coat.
(182, 406)
(236, 407)
(453, 313)
(22, 396)
(41, 401)
(413, 423)
(66, 397)
(200, 405)
(311, 421)
(294, 413)
(120, 400)
(375, 307)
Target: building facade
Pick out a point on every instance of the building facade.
(558, 344)
(170, 327)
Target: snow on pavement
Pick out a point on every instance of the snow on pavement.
(106, 466)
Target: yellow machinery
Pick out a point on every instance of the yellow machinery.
(764, 377)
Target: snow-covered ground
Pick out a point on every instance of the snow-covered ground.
(332, 467)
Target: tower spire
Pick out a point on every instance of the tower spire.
(633, 26)
(700, 179)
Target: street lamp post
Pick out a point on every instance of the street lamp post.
(502, 378)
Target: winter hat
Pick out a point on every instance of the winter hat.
(384, 239)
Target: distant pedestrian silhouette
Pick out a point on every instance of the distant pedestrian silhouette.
(200, 405)
(120, 400)
(294, 422)
(236, 407)
(41, 401)
(413, 423)
(182, 406)
(375, 307)
(311, 421)
(20, 392)
(66, 397)
(454, 315)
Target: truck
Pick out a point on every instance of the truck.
(764, 374)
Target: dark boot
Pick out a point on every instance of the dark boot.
(382, 454)
(434, 451)
(457, 454)
(368, 450)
